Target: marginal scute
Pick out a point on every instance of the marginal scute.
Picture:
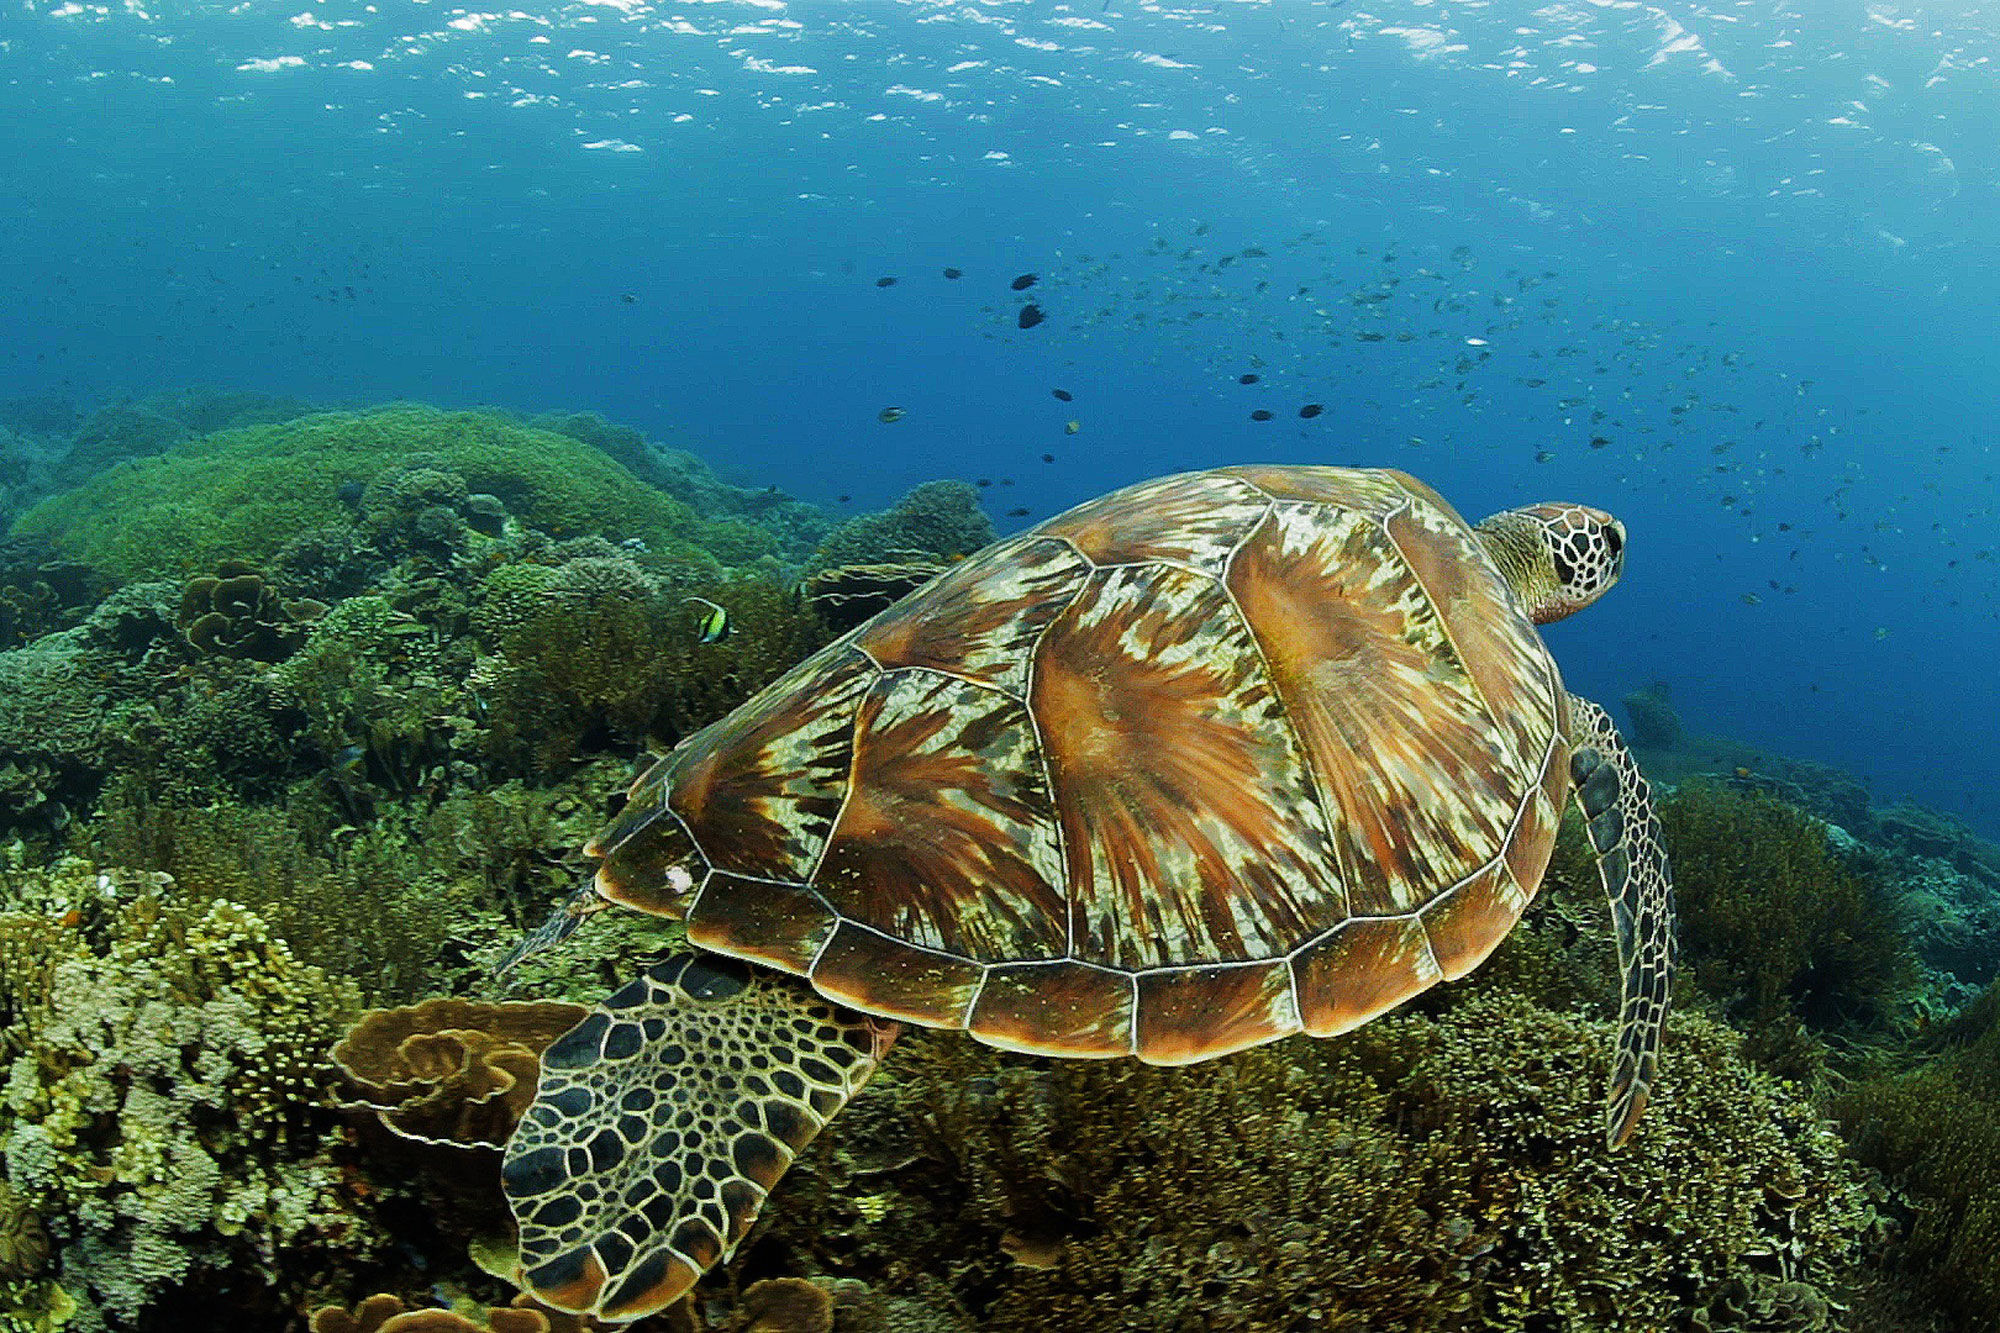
(653, 868)
(1466, 923)
(1065, 1008)
(870, 971)
(1195, 1013)
(1361, 971)
(1194, 519)
(1534, 839)
(779, 925)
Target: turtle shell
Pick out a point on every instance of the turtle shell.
(1214, 759)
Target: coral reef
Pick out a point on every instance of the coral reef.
(66, 698)
(163, 1111)
(451, 1071)
(846, 595)
(1425, 1172)
(242, 494)
(786, 527)
(573, 672)
(1776, 926)
(1654, 723)
(939, 519)
(117, 434)
(1935, 1131)
(234, 612)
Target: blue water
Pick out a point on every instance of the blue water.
(1780, 219)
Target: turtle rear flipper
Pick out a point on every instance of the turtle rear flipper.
(662, 1122)
(1618, 812)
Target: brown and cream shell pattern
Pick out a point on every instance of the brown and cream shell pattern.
(1214, 759)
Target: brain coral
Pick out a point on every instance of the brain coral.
(243, 493)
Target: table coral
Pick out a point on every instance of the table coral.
(449, 1070)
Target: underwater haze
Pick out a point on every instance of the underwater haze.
(1725, 269)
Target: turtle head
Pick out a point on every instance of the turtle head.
(1558, 558)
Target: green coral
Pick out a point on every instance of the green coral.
(938, 518)
(1775, 925)
(1439, 1172)
(1935, 1131)
(65, 700)
(632, 670)
(241, 494)
(377, 704)
(164, 1108)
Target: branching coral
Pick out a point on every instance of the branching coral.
(1423, 1173)
(1935, 1130)
(361, 907)
(623, 670)
(1774, 923)
(165, 1112)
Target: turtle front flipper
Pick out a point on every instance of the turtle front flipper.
(662, 1122)
(1617, 808)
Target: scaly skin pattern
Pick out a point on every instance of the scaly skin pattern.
(1617, 805)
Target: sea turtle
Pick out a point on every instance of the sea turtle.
(1215, 759)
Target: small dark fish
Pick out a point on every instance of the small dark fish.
(1017, 513)
(1545, 456)
(1598, 442)
(1048, 458)
(984, 482)
(714, 626)
(885, 282)
(1062, 395)
(1022, 283)
(889, 416)
(1260, 415)
(1031, 315)
(627, 298)
(846, 499)
(1311, 410)
(1248, 378)
(954, 273)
